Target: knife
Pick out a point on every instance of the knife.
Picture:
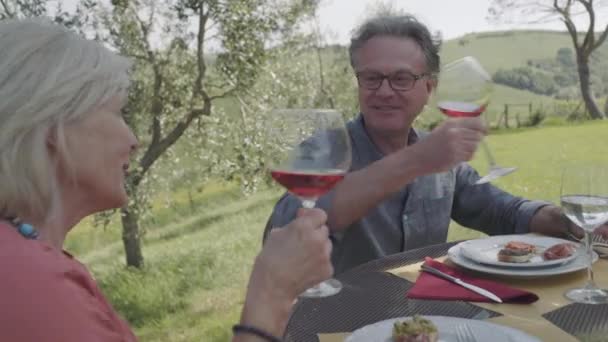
(455, 280)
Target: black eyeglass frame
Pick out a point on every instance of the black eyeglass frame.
(388, 78)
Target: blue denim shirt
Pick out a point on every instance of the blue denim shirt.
(419, 214)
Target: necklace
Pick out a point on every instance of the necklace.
(25, 229)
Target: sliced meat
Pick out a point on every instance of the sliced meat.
(559, 251)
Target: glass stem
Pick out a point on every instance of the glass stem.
(488, 153)
(590, 281)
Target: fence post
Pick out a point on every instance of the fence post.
(506, 114)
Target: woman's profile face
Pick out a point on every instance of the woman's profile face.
(99, 147)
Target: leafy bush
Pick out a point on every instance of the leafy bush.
(527, 79)
(536, 118)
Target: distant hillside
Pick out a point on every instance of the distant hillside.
(506, 49)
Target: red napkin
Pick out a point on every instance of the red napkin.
(429, 286)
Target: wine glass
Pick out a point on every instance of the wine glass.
(464, 90)
(584, 199)
(310, 153)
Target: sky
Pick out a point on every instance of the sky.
(453, 18)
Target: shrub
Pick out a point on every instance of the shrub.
(536, 118)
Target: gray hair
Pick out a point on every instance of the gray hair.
(400, 26)
(49, 77)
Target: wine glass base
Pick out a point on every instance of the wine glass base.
(588, 296)
(494, 174)
(327, 288)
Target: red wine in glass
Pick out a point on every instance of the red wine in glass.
(461, 109)
(308, 153)
(464, 90)
(308, 184)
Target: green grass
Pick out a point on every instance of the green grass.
(198, 258)
(540, 154)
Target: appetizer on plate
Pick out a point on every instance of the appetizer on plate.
(417, 329)
(517, 252)
(559, 251)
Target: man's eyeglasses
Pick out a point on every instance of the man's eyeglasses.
(399, 81)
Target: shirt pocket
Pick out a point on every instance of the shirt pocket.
(437, 206)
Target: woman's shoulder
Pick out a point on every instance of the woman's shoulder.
(52, 292)
(19, 255)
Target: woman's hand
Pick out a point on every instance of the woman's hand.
(293, 259)
(297, 257)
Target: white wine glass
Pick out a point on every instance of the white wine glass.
(310, 153)
(464, 90)
(584, 200)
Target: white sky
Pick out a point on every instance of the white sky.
(453, 18)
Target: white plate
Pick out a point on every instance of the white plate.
(486, 250)
(483, 331)
(579, 263)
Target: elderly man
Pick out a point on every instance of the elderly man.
(404, 185)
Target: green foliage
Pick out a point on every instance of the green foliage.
(536, 118)
(527, 79)
(143, 296)
(176, 86)
(22, 8)
(556, 76)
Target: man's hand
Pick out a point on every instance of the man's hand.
(603, 231)
(551, 220)
(452, 142)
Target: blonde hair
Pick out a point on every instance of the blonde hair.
(49, 76)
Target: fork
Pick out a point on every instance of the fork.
(464, 333)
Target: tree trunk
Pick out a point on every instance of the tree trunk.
(583, 75)
(606, 107)
(131, 237)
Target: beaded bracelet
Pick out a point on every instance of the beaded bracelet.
(247, 329)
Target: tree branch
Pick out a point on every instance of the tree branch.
(145, 31)
(157, 105)
(565, 13)
(589, 40)
(159, 145)
(223, 95)
(156, 150)
(7, 10)
(200, 45)
(601, 39)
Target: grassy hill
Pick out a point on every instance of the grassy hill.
(506, 49)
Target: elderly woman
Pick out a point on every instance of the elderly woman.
(64, 150)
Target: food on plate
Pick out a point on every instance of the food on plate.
(517, 252)
(417, 329)
(559, 251)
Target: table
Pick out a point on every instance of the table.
(373, 292)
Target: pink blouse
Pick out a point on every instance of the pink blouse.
(47, 295)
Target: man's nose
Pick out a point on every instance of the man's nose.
(385, 88)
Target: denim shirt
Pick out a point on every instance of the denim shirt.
(417, 215)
